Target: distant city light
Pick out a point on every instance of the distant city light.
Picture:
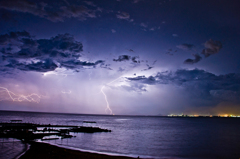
(198, 115)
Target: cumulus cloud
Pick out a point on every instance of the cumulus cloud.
(195, 60)
(198, 83)
(21, 51)
(186, 47)
(123, 15)
(47, 11)
(211, 47)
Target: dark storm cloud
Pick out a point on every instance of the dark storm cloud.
(121, 58)
(103, 65)
(7, 38)
(186, 47)
(75, 63)
(211, 47)
(144, 80)
(135, 59)
(63, 45)
(41, 66)
(198, 83)
(195, 60)
(149, 68)
(22, 45)
(21, 51)
(52, 13)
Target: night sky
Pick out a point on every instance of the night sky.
(129, 57)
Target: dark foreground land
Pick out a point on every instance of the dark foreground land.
(47, 151)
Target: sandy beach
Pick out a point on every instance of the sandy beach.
(47, 151)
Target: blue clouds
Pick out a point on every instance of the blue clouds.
(211, 47)
(47, 11)
(198, 83)
(61, 45)
(40, 66)
(22, 45)
(195, 60)
(72, 64)
(122, 58)
(115, 38)
(134, 59)
(21, 51)
(186, 47)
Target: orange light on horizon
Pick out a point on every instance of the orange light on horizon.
(223, 115)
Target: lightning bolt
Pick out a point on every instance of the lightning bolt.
(105, 96)
(19, 98)
(108, 107)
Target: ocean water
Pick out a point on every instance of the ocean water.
(144, 136)
(11, 148)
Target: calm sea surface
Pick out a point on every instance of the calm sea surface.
(147, 137)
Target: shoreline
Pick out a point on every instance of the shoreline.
(27, 147)
(40, 150)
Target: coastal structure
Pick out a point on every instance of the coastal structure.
(31, 131)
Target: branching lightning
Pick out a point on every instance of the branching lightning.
(108, 108)
(105, 96)
(19, 98)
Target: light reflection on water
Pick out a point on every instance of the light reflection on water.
(148, 136)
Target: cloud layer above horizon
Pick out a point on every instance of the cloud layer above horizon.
(148, 58)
